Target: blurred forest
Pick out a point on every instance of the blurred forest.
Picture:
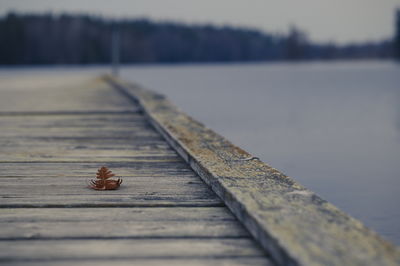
(80, 39)
(397, 36)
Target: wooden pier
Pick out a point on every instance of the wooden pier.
(189, 197)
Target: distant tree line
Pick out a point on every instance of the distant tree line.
(81, 39)
(397, 36)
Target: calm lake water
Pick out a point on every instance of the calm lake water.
(334, 127)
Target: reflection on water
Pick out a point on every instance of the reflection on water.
(334, 127)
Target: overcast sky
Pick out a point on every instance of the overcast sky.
(324, 20)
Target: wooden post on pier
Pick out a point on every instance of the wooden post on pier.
(397, 36)
(115, 51)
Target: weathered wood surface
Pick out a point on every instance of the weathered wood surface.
(147, 183)
(55, 93)
(110, 223)
(292, 223)
(80, 138)
(127, 248)
(55, 134)
(200, 261)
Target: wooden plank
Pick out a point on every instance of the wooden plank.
(89, 223)
(104, 201)
(135, 144)
(63, 138)
(133, 192)
(127, 249)
(158, 174)
(51, 120)
(149, 183)
(145, 184)
(81, 140)
(78, 132)
(68, 133)
(77, 185)
(132, 186)
(94, 144)
(59, 93)
(139, 180)
(32, 114)
(146, 168)
(71, 118)
(68, 138)
(156, 214)
(292, 223)
(84, 169)
(101, 160)
(76, 154)
(234, 261)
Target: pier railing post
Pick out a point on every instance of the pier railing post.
(115, 50)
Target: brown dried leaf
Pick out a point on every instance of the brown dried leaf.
(103, 182)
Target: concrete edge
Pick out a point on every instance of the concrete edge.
(293, 224)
